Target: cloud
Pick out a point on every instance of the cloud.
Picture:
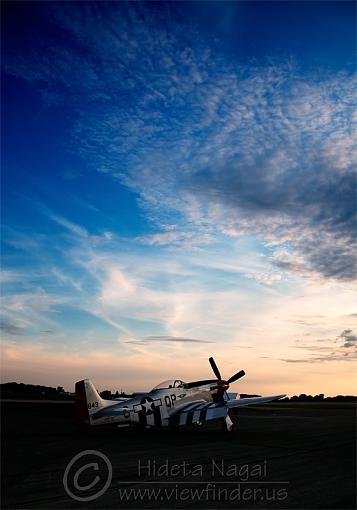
(191, 295)
(11, 329)
(349, 338)
(312, 347)
(69, 225)
(177, 239)
(345, 352)
(321, 359)
(303, 322)
(10, 276)
(81, 232)
(21, 310)
(144, 339)
(266, 278)
(290, 195)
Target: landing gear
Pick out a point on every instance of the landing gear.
(228, 425)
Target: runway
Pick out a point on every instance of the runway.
(282, 456)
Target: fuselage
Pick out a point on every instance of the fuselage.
(150, 409)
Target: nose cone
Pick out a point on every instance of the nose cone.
(223, 385)
(219, 390)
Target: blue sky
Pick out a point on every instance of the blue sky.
(179, 181)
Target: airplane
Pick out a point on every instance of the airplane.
(172, 403)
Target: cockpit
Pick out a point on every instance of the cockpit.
(170, 383)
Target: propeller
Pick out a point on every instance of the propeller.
(223, 385)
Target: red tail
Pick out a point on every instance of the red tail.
(81, 409)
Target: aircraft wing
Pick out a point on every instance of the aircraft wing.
(199, 411)
(241, 402)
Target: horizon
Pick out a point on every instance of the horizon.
(122, 391)
(179, 182)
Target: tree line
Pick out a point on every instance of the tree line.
(22, 390)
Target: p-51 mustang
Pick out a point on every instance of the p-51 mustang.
(172, 403)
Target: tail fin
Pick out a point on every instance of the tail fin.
(87, 402)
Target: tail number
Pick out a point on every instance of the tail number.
(92, 405)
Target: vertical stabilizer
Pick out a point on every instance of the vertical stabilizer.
(87, 402)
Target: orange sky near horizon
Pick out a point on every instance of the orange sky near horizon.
(34, 364)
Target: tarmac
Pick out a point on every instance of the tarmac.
(282, 456)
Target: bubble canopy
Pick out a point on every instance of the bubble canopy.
(170, 383)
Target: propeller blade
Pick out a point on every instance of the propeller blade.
(215, 368)
(236, 376)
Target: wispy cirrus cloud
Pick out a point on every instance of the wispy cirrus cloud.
(147, 339)
(345, 351)
(24, 311)
(11, 329)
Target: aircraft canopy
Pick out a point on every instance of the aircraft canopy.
(170, 383)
